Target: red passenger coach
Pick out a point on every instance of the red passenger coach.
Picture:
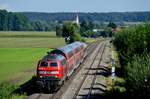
(59, 64)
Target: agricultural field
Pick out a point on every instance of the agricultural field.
(30, 40)
(24, 34)
(20, 52)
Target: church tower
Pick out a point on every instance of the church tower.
(77, 20)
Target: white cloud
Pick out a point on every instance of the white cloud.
(5, 6)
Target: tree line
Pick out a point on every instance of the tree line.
(35, 21)
(98, 17)
(12, 21)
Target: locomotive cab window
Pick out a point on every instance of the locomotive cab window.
(44, 64)
(53, 64)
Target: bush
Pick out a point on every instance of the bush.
(83, 40)
(6, 90)
(115, 89)
(75, 37)
(131, 41)
(138, 76)
(147, 37)
(133, 45)
(88, 33)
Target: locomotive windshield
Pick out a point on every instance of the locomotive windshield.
(44, 64)
(53, 64)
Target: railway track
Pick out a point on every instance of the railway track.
(56, 95)
(93, 81)
(88, 80)
(76, 84)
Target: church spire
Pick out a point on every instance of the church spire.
(77, 20)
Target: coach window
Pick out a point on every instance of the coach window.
(44, 64)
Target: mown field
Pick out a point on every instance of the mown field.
(20, 52)
(23, 34)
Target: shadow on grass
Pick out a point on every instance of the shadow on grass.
(30, 87)
(27, 88)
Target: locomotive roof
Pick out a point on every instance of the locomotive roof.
(54, 57)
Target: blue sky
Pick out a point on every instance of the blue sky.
(75, 5)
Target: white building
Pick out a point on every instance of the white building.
(77, 20)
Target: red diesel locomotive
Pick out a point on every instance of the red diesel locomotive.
(59, 64)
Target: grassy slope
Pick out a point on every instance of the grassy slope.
(19, 54)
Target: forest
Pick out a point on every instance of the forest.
(39, 21)
(100, 17)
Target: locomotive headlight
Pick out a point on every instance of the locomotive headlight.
(43, 72)
(54, 72)
(48, 72)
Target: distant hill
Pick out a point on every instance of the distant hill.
(101, 17)
(36, 21)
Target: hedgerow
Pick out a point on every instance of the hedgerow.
(133, 45)
(138, 76)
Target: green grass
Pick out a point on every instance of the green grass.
(15, 62)
(31, 42)
(20, 52)
(18, 34)
(89, 40)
